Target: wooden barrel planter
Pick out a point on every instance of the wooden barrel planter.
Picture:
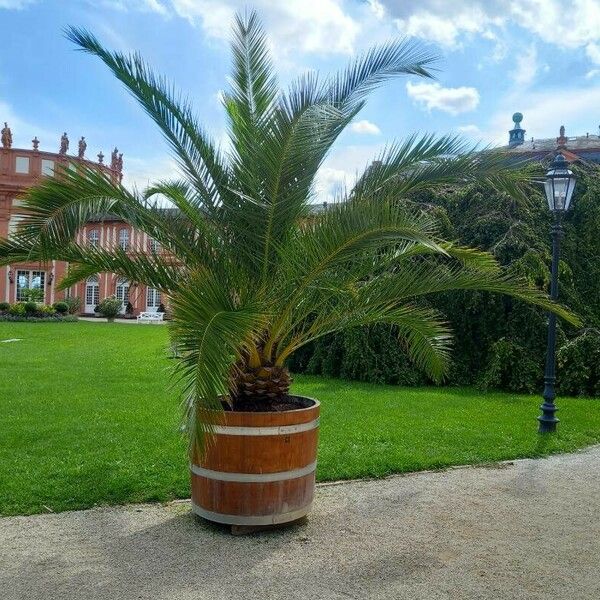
(260, 470)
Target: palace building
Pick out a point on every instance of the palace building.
(23, 168)
(584, 148)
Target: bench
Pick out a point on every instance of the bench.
(150, 317)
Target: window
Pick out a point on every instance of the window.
(93, 237)
(124, 239)
(122, 292)
(92, 293)
(30, 280)
(22, 164)
(152, 300)
(47, 167)
(154, 245)
(13, 224)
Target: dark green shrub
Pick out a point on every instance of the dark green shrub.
(579, 365)
(374, 354)
(30, 308)
(110, 307)
(43, 310)
(62, 308)
(74, 304)
(512, 367)
(18, 309)
(161, 308)
(4, 306)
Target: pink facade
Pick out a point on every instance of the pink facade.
(20, 169)
(109, 232)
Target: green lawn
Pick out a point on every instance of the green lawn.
(88, 417)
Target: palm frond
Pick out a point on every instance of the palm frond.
(193, 148)
(212, 331)
(351, 86)
(428, 161)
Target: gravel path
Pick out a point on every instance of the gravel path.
(528, 529)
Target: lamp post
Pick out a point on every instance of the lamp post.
(559, 186)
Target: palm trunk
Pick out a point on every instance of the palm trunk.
(262, 385)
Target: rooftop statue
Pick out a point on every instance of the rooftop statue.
(82, 147)
(114, 158)
(100, 157)
(6, 136)
(35, 142)
(64, 143)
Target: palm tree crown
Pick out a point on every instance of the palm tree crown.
(252, 276)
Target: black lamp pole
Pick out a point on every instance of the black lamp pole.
(548, 418)
(559, 185)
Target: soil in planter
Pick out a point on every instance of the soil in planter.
(269, 404)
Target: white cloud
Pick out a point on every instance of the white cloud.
(563, 23)
(16, 4)
(526, 67)
(438, 28)
(140, 172)
(331, 183)
(451, 100)
(445, 22)
(294, 25)
(470, 130)
(377, 8)
(593, 52)
(155, 6)
(342, 168)
(365, 127)
(592, 73)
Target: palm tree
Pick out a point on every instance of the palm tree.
(252, 274)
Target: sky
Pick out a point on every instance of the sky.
(538, 57)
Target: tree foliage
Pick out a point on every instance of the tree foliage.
(500, 342)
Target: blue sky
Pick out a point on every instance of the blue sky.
(540, 57)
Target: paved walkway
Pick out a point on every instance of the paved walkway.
(525, 530)
(125, 321)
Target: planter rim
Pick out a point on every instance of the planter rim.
(314, 404)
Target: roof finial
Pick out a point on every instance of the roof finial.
(516, 136)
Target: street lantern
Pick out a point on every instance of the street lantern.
(559, 187)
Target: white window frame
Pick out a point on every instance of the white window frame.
(22, 165)
(47, 167)
(153, 299)
(92, 291)
(124, 238)
(94, 237)
(29, 283)
(122, 292)
(153, 245)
